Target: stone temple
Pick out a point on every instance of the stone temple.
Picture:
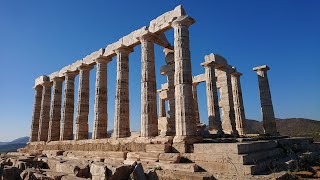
(173, 140)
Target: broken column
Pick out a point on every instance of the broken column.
(36, 113)
(68, 107)
(55, 111)
(45, 111)
(149, 117)
(82, 128)
(212, 98)
(100, 123)
(238, 103)
(121, 115)
(268, 119)
(185, 123)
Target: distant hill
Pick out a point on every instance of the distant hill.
(13, 145)
(290, 127)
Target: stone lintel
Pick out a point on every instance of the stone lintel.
(261, 68)
(40, 80)
(199, 78)
(216, 58)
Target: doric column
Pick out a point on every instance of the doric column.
(149, 118)
(82, 128)
(121, 115)
(185, 123)
(195, 99)
(169, 71)
(45, 111)
(162, 107)
(100, 123)
(68, 107)
(268, 119)
(212, 98)
(55, 111)
(226, 101)
(36, 113)
(238, 103)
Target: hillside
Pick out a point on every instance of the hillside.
(290, 127)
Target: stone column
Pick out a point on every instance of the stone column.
(195, 99)
(149, 117)
(162, 107)
(212, 98)
(239, 114)
(55, 111)
(268, 119)
(226, 101)
(100, 124)
(68, 107)
(36, 113)
(82, 128)
(121, 115)
(45, 112)
(185, 123)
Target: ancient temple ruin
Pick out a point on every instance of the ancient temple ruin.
(165, 135)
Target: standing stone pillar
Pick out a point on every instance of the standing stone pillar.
(36, 113)
(100, 124)
(45, 111)
(162, 107)
(121, 115)
(185, 123)
(82, 128)
(268, 119)
(55, 111)
(68, 107)
(212, 98)
(239, 114)
(196, 106)
(149, 117)
(226, 101)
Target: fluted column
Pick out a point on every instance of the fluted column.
(212, 98)
(238, 103)
(82, 128)
(196, 106)
(45, 111)
(268, 119)
(68, 107)
(162, 107)
(36, 113)
(100, 123)
(226, 101)
(185, 123)
(55, 111)
(121, 115)
(149, 118)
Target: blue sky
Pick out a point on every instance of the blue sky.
(40, 37)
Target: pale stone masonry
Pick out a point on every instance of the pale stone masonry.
(100, 123)
(55, 111)
(149, 117)
(68, 107)
(82, 127)
(268, 119)
(51, 122)
(45, 111)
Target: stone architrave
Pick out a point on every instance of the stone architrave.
(36, 113)
(55, 111)
(185, 122)
(100, 123)
(121, 115)
(68, 107)
(149, 117)
(268, 119)
(196, 106)
(82, 128)
(212, 98)
(45, 111)
(226, 101)
(239, 114)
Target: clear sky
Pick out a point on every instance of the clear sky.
(40, 37)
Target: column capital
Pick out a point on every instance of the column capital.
(261, 68)
(236, 74)
(208, 64)
(85, 67)
(183, 21)
(38, 87)
(57, 79)
(70, 73)
(147, 37)
(46, 84)
(103, 59)
(123, 50)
